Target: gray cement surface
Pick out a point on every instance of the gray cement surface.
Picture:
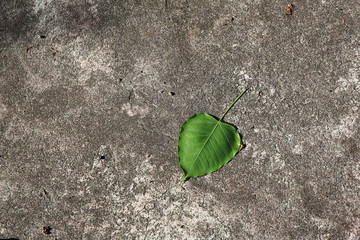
(93, 94)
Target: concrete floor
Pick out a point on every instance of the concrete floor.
(93, 95)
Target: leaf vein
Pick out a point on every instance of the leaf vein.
(206, 141)
(220, 145)
(228, 141)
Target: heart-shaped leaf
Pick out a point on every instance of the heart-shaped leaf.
(206, 144)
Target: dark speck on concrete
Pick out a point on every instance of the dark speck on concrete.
(46, 230)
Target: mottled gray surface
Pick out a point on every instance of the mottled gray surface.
(98, 83)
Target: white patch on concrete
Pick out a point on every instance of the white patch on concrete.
(93, 8)
(165, 211)
(356, 171)
(134, 110)
(348, 125)
(146, 72)
(324, 225)
(272, 91)
(298, 149)
(16, 130)
(221, 21)
(4, 191)
(258, 156)
(276, 162)
(173, 214)
(242, 73)
(99, 164)
(346, 84)
(351, 82)
(194, 38)
(3, 109)
(144, 167)
(39, 5)
(98, 61)
(75, 58)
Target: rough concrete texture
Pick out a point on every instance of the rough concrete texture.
(93, 94)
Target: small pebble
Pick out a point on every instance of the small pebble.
(45, 230)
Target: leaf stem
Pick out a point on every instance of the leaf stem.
(232, 104)
(183, 179)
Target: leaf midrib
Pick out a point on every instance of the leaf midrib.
(206, 141)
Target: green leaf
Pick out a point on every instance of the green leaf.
(206, 144)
